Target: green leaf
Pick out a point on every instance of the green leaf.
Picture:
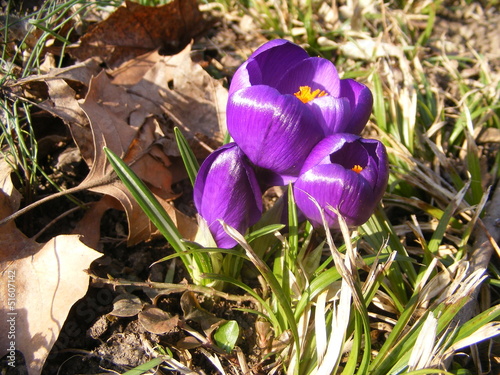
(429, 372)
(147, 201)
(268, 229)
(271, 316)
(187, 155)
(158, 216)
(293, 224)
(379, 103)
(226, 336)
(145, 367)
(471, 326)
(438, 235)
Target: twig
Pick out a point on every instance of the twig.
(175, 288)
(84, 186)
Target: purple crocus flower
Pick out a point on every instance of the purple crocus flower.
(226, 188)
(282, 102)
(346, 172)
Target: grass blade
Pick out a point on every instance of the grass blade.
(150, 205)
(187, 155)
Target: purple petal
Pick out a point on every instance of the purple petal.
(370, 154)
(332, 144)
(332, 185)
(361, 100)
(275, 131)
(379, 162)
(227, 189)
(315, 72)
(334, 114)
(267, 64)
(329, 176)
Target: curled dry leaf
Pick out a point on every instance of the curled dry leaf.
(135, 29)
(132, 110)
(181, 89)
(41, 283)
(157, 321)
(62, 88)
(137, 146)
(193, 311)
(126, 305)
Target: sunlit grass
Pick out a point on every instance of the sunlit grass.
(23, 52)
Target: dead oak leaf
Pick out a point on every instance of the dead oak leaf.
(135, 29)
(132, 114)
(58, 92)
(41, 283)
(182, 89)
(110, 109)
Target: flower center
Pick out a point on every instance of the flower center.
(357, 168)
(306, 95)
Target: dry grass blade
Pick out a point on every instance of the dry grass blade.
(320, 326)
(486, 332)
(214, 360)
(342, 311)
(422, 352)
(340, 322)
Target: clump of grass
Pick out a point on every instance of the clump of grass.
(25, 39)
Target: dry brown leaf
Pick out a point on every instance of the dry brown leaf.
(59, 91)
(157, 321)
(183, 90)
(89, 227)
(193, 311)
(132, 71)
(110, 109)
(132, 110)
(42, 282)
(135, 29)
(126, 305)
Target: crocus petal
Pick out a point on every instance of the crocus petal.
(361, 100)
(315, 72)
(275, 131)
(378, 166)
(332, 113)
(226, 188)
(352, 178)
(266, 65)
(371, 155)
(332, 185)
(330, 145)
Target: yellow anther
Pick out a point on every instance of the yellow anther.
(306, 95)
(357, 168)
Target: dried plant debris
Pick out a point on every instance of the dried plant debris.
(42, 282)
(134, 29)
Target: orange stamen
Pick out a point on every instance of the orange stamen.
(306, 95)
(357, 168)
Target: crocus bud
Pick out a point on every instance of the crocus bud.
(226, 189)
(346, 172)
